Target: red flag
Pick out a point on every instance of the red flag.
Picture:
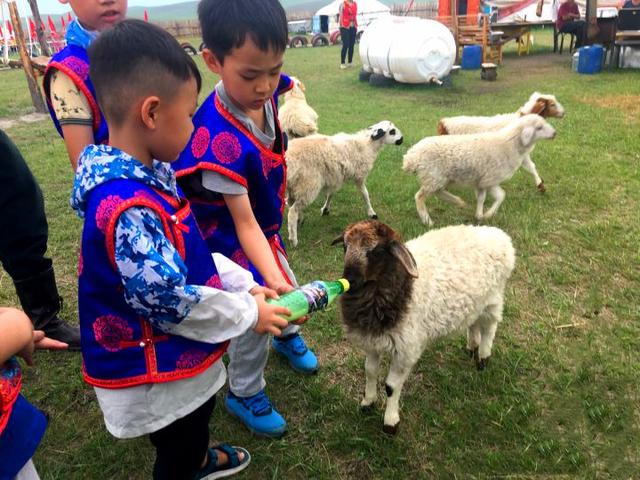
(62, 24)
(146, 16)
(69, 19)
(1, 33)
(32, 30)
(10, 29)
(52, 26)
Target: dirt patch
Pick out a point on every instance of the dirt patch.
(6, 123)
(627, 105)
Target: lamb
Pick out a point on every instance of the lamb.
(405, 296)
(547, 106)
(322, 163)
(481, 160)
(297, 118)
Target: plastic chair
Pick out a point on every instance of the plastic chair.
(562, 35)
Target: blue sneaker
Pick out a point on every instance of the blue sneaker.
(293, 348)
(257, 413)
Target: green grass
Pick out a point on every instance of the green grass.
(560, 397)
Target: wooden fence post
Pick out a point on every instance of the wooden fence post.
(18, 33)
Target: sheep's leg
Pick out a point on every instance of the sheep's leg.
(398, 373)
(488, 326)
(451, 198)
(481, 196)
(530, 167)
(367, 201)
(327, 205)
(371, 367)
(292, 220)
(497, 193)
(421, 197)
(473, 340)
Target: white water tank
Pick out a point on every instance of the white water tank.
(408, 49)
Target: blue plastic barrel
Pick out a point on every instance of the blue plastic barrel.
(471, 57)
(590, 59)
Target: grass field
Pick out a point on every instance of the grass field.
(560, 398)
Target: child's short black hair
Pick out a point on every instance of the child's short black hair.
(135, 59)
(225, 25)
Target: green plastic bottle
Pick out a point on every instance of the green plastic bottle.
(310, 298)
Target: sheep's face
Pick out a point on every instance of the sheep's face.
(544, 105)
(386, 132)
(535, 128)
(370, 249)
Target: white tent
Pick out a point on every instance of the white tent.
(368, 10)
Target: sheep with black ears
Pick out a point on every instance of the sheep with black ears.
(481, 160)
(404, 296)
(547, 106)
(297, 118)
(320, 163)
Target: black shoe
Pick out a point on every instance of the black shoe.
(40, 301)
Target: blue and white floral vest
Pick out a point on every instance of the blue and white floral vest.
(121, 349)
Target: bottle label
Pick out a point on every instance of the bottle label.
(316, 295)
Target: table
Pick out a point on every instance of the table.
(624, 38)
(520, 32)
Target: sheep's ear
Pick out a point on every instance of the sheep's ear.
(526, 136)
(539, 107)
(377, 134)
(400, 251)
(301, 85)
(338, 240)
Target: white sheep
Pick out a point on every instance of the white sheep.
(405, 296)
(547, 106)
(322, 163)
(297, 118)
(482, 160)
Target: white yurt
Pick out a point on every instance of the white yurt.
(325, 20)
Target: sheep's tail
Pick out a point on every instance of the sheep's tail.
(442, 128)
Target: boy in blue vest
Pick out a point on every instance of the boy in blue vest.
(154, 316)
(71, 97)
(234, 173)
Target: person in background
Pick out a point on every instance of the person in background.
(23, 244)
(631, 4)
(22, 425)
(71, 97)
(568, 21)
(347, 18)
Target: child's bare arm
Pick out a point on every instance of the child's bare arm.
(16, 333)
(76, 138)
(254, 243)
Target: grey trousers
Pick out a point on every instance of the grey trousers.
(249, 352)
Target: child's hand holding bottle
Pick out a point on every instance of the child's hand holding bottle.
(270, 317)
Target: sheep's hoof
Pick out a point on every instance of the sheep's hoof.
(374, 216)
(391, 429)
(541, 187)
(481, 363)
(472, 352)
(324, 211)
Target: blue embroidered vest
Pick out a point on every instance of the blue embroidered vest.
(22, 425)
(119, 348)
(222, 144)
(74, 62)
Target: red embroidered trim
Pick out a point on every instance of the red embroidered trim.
(97, 115)
(274, 243)
(236, 177)
(158, 377)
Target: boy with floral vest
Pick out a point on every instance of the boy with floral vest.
(71, 97)
(154, 317)
(234, 173)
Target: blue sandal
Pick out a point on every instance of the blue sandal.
(234, 465)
